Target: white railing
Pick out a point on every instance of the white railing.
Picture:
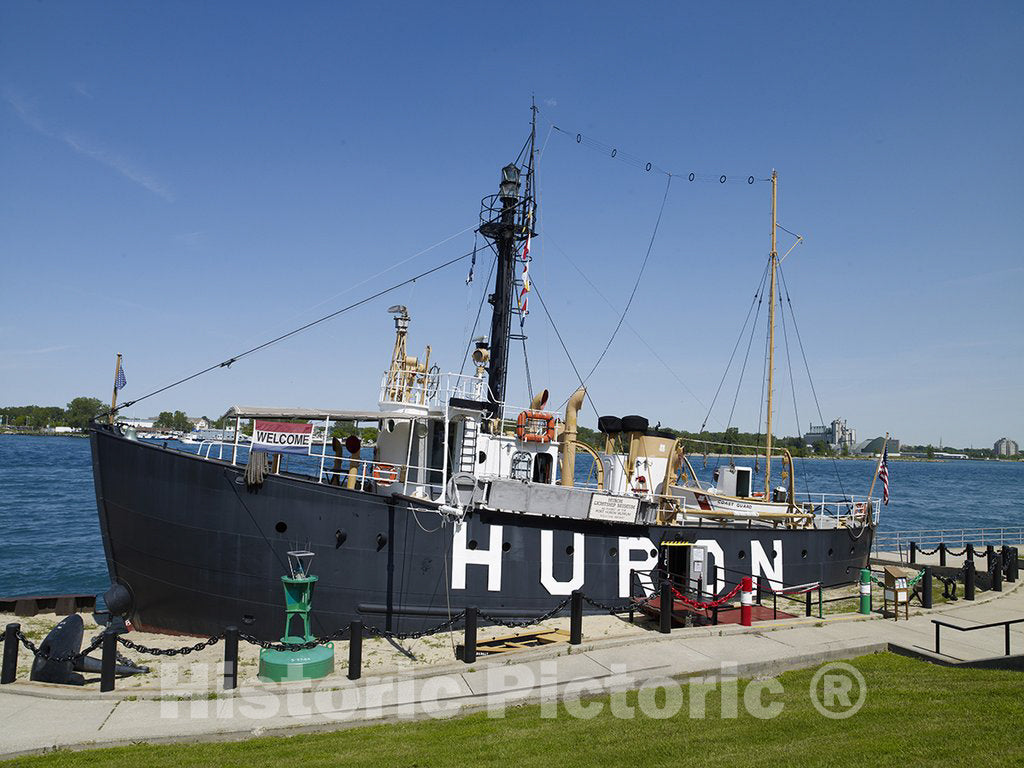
(837, 505)
(958, 538)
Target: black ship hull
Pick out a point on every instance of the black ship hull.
(199, 551)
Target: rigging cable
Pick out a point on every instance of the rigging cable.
(792, 386)
(227, 363)
(472, 333)
(565, 349)
(810, 380)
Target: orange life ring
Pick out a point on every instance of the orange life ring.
(385, 473)
(546, 435)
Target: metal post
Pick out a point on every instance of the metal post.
(632, 575)
(714, 616)
(665, 605)
(865, 591)
(469, 642)
(969, 577)
(109, 659)
(937, 628)
(926, 587)
(746, 600)
(1006, 627)
(970, 553)
(942, 554)
(821, 602)
(1014, 564)
(807, 595)
(576, 618)
(10, 664)
(913, 552)
(355, 650)
(230, 658)
(997, 576)
(757, 596)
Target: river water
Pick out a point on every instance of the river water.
(50, 539)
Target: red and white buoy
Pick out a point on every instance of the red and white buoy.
(746, 600)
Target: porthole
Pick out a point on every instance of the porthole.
(830, 552)
(803, 554)
(569, 550)
(741, 555)
(852, 550)
(505, 546)
(654, 553)
(775, 553)
(390, 426)
(613, 552)
(472, 544)
(481, 457)
(339, 538)
(281, 526)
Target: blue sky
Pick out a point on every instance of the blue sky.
(183, 180)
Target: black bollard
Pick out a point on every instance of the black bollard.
(997, 577)
(758, 591)
(230, 658)
(913, 555)
(970, 553)
(10, 665)
(576, 618)
(926, 587)
(108, 661)
(808, 594)
(969, 580)
(942, 555)
(665, 606)
(1005, 554)
(1014, 564)
(355, 650)
(469, 642)
(714, 616)
(991, 559)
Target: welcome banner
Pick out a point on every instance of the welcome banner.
(282, 437)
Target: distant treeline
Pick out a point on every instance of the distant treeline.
(730, 441)
(77, 414)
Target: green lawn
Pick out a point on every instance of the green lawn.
(915, 714)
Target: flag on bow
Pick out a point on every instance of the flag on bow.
(883, 472)
(119, 379)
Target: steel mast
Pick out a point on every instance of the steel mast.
(774, 256)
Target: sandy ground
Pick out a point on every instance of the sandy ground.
(202, 670)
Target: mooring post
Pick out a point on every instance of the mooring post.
(632, 571)
(1014, 564)
(970, 553)
(865, 591)
(757, 597)
(576, 618)
(990, 553)
(665, 606)
(469, 641)
(913, 552)
(926, 587)
(107, 662)
(230, 658)
(355, 650)
(942, 554)
(747, 600)
(997, 576)
(807, 595)
(969, 575)
(714, 616)
(10, 665)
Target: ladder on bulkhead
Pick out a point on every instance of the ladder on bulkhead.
(467, 451)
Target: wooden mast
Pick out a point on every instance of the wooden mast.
(771, 348)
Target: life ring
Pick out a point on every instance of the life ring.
(385, 473)
(546, 435)
(860, 509)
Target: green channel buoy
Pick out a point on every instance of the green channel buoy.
(307, 663)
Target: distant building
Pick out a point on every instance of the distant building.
(836, 435)
(1006, 447)
(137, 423)
(875, 446)
(200, 423)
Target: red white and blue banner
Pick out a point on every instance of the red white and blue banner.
(282, 437)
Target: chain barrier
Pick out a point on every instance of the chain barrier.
(927, 551)
(697, 605)
(293, 647)
(954, 553)
(633, 604)
(184, 651)
(526, 622)
(31, 647)
(444, 626)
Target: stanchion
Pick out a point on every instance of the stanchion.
(632, 572)
(665, 606)
(1014, 564)
(865, 591)
(970, 553)
(913, 552)
(107, 662)
(942, 555)
(10, 664)
(990, 558)
(230, 658)
(747, 600)
(355, 650)
(758, 595)
(469, 642)
(576, 618)
(808, 600)
(969, 576)
(997, 577)
(926, 587)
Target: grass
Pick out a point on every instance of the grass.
(915, 714)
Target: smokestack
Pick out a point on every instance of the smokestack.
(569, 436)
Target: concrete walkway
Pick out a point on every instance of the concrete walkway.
(35, 716)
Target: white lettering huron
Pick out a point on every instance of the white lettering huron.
(628, 545)
(547, 552)
(761, 562)
(463, 556)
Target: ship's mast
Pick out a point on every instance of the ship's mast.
(506, 219)
(771, 346)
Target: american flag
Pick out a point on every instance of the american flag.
(883, 472)
(119, 380)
